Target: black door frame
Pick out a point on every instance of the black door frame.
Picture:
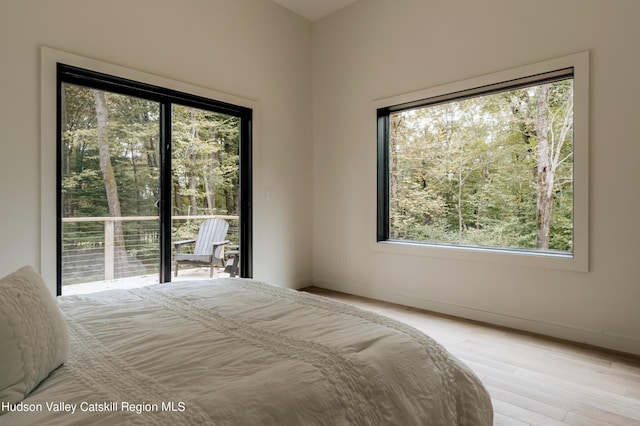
(165, 97)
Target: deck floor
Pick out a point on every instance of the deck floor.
(139, 281)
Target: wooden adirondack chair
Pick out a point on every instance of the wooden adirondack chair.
(209, 246)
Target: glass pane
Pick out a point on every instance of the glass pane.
(205, 179)
(493, 171)
(110, 188)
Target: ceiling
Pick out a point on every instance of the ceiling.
(313, 9)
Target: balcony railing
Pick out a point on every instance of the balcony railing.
(89, 248)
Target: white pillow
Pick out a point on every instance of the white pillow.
(33, 334)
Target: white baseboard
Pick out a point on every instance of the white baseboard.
(574, 334)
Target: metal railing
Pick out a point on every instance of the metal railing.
(89, 245)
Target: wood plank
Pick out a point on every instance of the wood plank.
(523, 415)
(590, 395)
(552, 396)
(502, 420)
(526, 402)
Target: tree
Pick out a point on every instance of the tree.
(111, 166)
(110, 184)
(492, 170)
(552, 130)
(206, 166)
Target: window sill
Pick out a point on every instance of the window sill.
(559, 261)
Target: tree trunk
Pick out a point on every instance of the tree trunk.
(177, 197)
(192, 175)
(207, 193)
(210, 179)
(461, 180)
(110, 184)
(229, 200)
(152, 154)
(546, 172)
(394, 214)
(136, 184)
(193, 202)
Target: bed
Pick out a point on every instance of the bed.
(239, 352)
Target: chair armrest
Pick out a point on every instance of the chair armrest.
(220, 243)
(178, 243)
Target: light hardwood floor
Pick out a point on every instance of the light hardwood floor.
(533, 380)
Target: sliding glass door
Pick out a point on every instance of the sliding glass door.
(141, 168)
(205, 177)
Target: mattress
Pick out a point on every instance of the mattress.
(240, 352)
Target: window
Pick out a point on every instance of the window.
(488, 164)
(141, 166)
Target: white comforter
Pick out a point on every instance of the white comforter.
(239, 352)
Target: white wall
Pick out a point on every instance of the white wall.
(376, 49)
(252, 49)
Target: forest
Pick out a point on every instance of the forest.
(491, 171)
(110, 167)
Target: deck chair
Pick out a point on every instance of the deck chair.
(209, 246)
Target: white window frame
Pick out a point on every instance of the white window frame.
(579, 259)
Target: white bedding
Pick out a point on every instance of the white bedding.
(239, 352)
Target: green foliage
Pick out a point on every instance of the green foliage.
(205, 167)
(205, 149)
(205, 162)
(465, 172)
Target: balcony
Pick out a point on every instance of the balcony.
(89, 251)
